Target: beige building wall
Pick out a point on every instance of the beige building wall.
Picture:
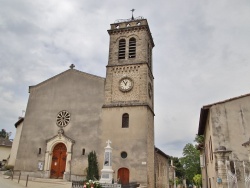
(230, 122)
(4, 153)
(132, 140)
(209, 156)
(15, 144)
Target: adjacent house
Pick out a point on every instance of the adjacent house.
(15, 145)
(161, 169)
(5, 148)
(225, 152)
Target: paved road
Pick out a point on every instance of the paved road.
(42, 183)
(7, 183)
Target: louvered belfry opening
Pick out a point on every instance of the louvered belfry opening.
(122, 49)
(132, 48)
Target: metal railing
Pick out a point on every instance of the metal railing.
(19, 177)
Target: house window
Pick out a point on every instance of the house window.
(125, 120)
(132, 48)
(122, 49)
(211, 149)
(206, 152)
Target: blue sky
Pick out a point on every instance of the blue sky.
(201, 54)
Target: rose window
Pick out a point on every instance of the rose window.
(63, 118)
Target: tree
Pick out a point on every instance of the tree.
(4, 134)
(199, 139)
(190, 162)
(197, 180)
(92, 171)
(179, 170)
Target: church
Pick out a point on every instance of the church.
(74, 113)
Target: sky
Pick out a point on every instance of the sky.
(201, 54)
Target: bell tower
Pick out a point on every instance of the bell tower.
(130, 57)
(128, 110)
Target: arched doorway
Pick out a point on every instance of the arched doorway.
(123, 176)
(58, 162)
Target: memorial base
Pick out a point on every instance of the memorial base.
(107, 176)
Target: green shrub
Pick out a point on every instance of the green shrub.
(9, 167)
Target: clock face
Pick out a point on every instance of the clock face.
(126, 84)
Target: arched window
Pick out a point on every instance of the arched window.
(125, 120)
(122, 48)
(132, 48)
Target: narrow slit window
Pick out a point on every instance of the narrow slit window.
(132, 48)
(211, 149)
(83, 151)
(125, 120)
(149, 56)
(122, 49)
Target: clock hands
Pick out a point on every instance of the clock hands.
(125, 82)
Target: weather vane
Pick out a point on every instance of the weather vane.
(132, 14)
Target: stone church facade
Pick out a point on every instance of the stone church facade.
(74, 113)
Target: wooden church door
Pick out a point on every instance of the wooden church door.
(58, 161)
(123, 175)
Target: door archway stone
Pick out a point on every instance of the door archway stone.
(51, 143)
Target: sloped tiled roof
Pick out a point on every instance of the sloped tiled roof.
(157, 150)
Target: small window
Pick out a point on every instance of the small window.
(132, 48)
(83, 151)
(124, 155)
(39, 150)
(122, 48)
(125, 120)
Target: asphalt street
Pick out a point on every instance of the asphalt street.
(38, 183)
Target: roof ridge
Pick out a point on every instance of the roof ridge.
(226, 100)
(64, 72)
